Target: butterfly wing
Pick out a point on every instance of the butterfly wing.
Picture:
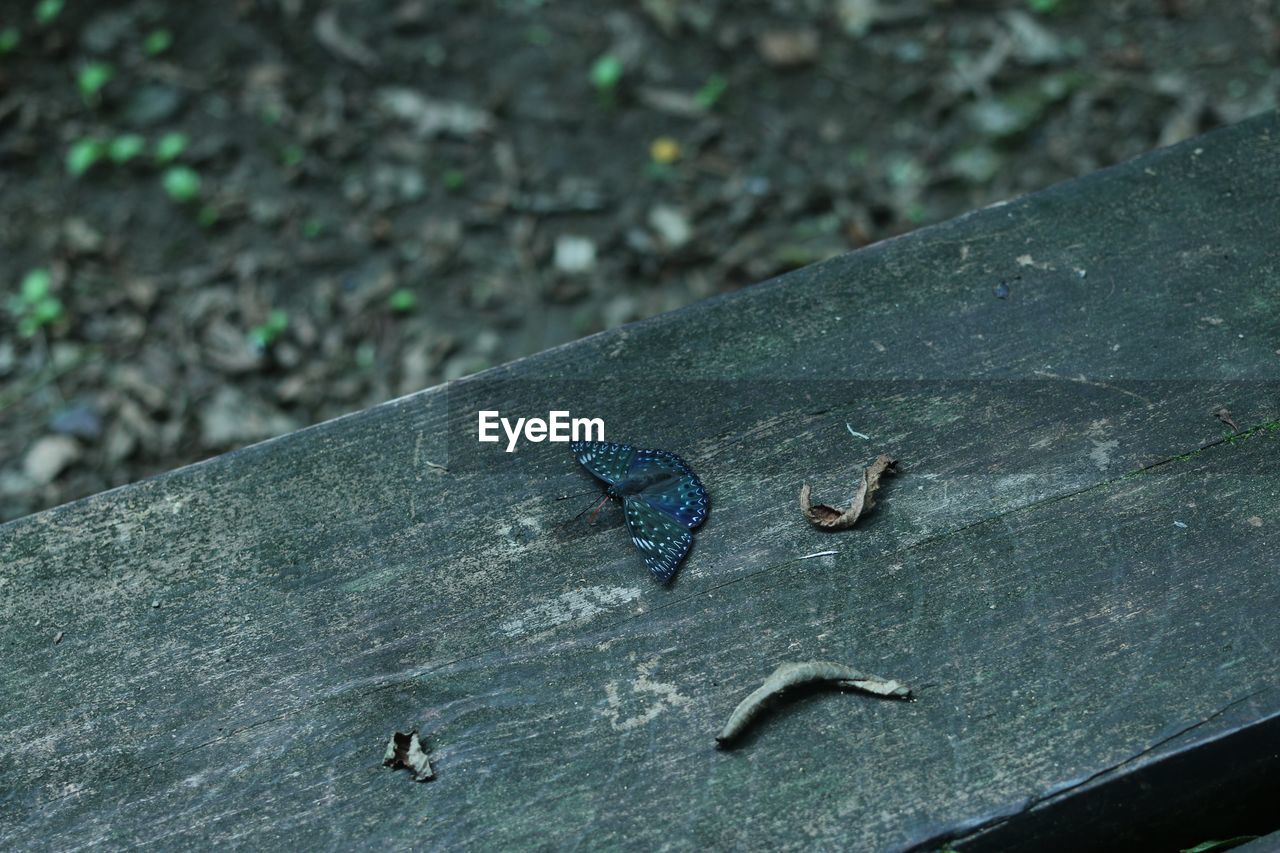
(605, 460)
(663, 540)
(683, 498)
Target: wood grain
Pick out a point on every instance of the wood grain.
(1074, 569)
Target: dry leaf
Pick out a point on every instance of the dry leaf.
(788, 48)
(328, 31)
(835, 518)
(405, 750)
(788, 675)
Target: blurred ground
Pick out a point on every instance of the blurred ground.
(223, 221)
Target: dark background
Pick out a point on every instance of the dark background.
(359, 200)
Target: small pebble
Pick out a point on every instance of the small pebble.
(49, 457)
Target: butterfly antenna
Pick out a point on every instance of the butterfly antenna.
(594, 506)
(599, 506)
(577, 495)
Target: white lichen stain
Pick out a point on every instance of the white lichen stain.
(578, 605)
(1101, 453)
(1103, 447)
(1028, 261)
(642, 686)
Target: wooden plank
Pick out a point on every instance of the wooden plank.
(241, 637)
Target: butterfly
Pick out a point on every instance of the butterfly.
(662, 498)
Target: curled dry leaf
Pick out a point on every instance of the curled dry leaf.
(836, 518)
(789, 675)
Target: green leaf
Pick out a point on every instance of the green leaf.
(278, 320)
(905, 172)
(47, 310)
(453, 179)
(125, 147)
(402, 301)
(181, 183)
(170, 146)
(82, 155)
(712, 90)
(92, 78)
(47, 10)
(366, 355)
(606, 72)
(916, 213)
(36, 285)
(157, 42)
(659, 171)
(34, 306)
(266, 334)
(9, 38)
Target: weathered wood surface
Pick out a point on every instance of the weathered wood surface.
(1075, 570)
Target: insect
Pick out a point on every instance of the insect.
(662, 498)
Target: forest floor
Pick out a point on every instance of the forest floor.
(220, 222)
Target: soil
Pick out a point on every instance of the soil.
(376, 197)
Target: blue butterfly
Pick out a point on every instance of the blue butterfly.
(661, 497)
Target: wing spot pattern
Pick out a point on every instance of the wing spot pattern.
(659, 517)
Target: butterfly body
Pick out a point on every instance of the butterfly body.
(662, 498)
(640, 483)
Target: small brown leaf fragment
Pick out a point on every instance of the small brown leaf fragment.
(788, 48)
(836, 518)
(404, 750)
(1224, 415)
